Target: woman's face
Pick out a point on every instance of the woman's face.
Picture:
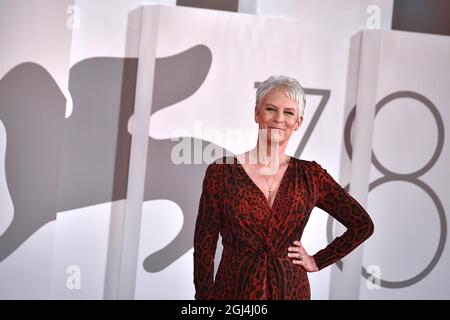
(278, 114)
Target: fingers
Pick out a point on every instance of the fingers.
(297, 247)
(297, 252)
(299, 262)
(300, 246)
(300, 257)
(294, 249)
(294, 252)
(296, 255)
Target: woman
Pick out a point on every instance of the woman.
(260, 202)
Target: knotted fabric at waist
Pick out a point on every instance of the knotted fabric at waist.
(227, 251)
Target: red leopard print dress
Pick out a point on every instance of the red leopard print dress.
(255, 237)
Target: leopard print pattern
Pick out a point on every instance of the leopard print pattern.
(255, 237)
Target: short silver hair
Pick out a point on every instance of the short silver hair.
(291, 86)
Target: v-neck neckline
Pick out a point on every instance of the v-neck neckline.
(266, 201)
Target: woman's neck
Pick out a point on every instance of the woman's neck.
(268, 158)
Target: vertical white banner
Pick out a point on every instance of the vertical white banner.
(408, 256)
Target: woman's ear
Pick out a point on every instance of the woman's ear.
(298, 123)
(256, 114)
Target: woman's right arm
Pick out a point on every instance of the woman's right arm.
(207, 229)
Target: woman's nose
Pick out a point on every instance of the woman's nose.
(279, 117)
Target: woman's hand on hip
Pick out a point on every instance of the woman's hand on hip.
(300, 257)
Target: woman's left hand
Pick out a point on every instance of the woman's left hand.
(301, 257)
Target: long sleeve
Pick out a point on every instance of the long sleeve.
(207, 228)
(343, 207)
